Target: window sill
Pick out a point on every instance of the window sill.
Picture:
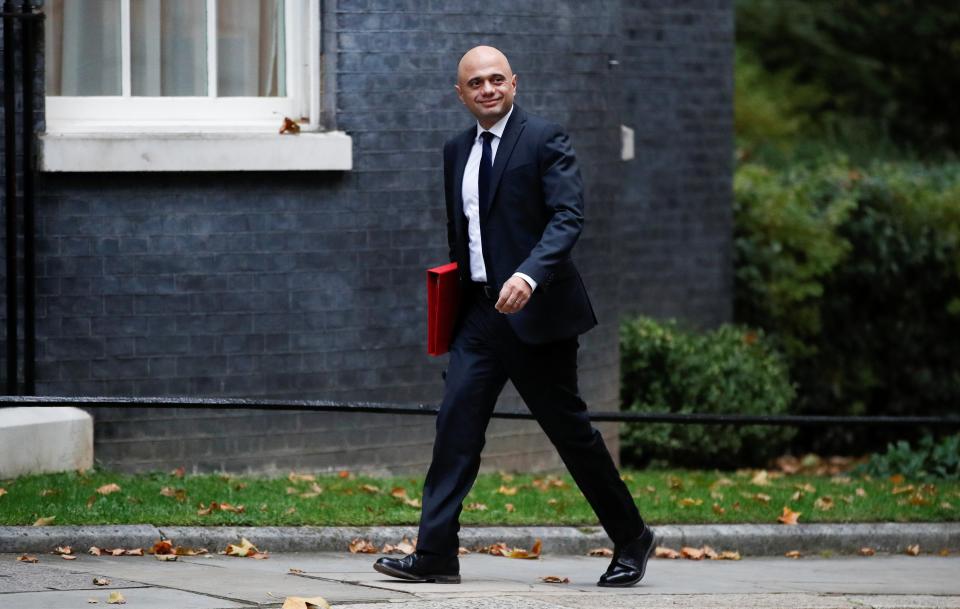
(88, 152)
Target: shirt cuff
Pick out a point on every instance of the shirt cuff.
(528, 279)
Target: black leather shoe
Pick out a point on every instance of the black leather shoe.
(421, 568)
(629, 562)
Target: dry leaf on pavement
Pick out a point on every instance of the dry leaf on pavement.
(867, 551)
(245, 548)
(362, 546)
(728, 555)
(300, 602)
(462, 551)
(691, 553)
(913, 550)
(555, 579)
(101, 581)
(789, 516)
(533, 553)
(63, 550)
(27, 558)
(607, 552)
(166, 557)
(793, 554)
(662, 552)
(116, 598)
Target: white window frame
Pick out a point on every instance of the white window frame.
(139, 133)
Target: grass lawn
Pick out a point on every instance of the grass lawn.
(663, 496)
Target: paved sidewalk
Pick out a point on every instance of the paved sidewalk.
(221, 582)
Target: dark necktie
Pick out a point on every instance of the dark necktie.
(486, 168)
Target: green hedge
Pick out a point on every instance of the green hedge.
(729, 370)
(854, 272)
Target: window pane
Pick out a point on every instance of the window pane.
(250, 48)
(83, 47)
(168, 47)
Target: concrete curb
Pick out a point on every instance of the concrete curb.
(748, 539)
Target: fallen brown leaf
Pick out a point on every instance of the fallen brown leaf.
(362, 546)
(243, 549)
(532, 553)
(691, 553)
(793, 554)
(370, 488)
(729, 555)
(944, 552)
(762, 497)
(300, 602)
(116, 598)
(295, 477)
(789, 516)
(260, 555)
(343, 473)
(133, 552)
(913, 550)
(68, 557)
(896, 479)
(507, 490)
(42, 522)
(180, 494)
(27, 558)
(101, 581)
(295, 571)
(897, 490)
(709, 552)
(48, 491)
(509, 507)
(166, 557)
(178, 472)
(475, 507)
(164, 546)
(555, 579)
(824, 503)
(865, 551)
(607, 552)
(63, 550)
(761, 478)
(106, 489)
(94, 550)
(688, 501)
(3, 491)
(662, 552)
(718, 509)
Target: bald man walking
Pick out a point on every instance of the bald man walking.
(514, 202)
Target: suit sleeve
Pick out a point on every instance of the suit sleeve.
(447, 192)
(563, 198)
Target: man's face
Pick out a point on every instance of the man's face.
(486, 86)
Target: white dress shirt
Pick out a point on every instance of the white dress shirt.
(471, 200)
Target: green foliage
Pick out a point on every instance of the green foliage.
(729, 370)
(855, 273)
(928, 461)
(891, 67)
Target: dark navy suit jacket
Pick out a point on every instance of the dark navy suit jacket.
(531, 224)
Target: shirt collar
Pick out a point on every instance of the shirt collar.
(498, 127)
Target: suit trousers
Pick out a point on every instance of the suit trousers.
(484, 354)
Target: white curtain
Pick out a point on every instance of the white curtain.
(168, 47)
(82, 47)
(250, 49)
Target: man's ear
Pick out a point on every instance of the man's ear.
(460, 94)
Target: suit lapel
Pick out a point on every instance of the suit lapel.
(511, 134)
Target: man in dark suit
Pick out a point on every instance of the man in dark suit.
(514, 201)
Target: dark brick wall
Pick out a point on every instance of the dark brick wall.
(675, 218)
(310, 285)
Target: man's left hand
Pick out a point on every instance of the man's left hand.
(513, 295)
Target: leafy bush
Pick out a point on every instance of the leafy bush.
(929, 461)
(892, 67)
(730, 370)
(855, 273)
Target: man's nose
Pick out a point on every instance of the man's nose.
(487, 88)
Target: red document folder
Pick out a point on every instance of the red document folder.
(443, 301)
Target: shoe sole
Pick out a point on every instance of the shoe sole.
(642, 573)
(438, 579)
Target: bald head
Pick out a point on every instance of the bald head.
(482, 55)
(486, 84)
